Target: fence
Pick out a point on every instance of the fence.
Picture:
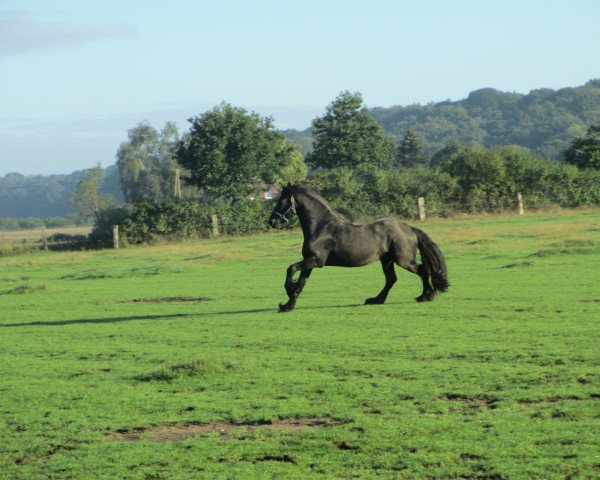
(214, 226)
(45, 239)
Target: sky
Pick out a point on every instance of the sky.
(76, 75)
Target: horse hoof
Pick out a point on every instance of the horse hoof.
(284, 307)
(424, 298)
(373, 301)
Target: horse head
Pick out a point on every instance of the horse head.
(284, 209)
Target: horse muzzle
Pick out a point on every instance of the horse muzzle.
(275, 222)
(278, 220)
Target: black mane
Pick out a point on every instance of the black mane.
(339, 213)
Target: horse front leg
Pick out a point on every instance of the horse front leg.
(293, 289)
(290, 284)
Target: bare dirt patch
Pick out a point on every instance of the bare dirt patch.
(483, 401)
(175, 433)
(528, 401)
(170, 300)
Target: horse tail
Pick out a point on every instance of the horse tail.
(433, 260)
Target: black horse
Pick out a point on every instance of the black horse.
(332, 238)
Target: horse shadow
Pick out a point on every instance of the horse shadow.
(133, 318)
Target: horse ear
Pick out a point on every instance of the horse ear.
(289, 185)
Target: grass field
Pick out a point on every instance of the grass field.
(9, 236)
(172, 361)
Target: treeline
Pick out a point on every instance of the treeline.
(356, 164)
(229, 155)
(42, 197)
(26, 223)
(465, 180)
(544, 120)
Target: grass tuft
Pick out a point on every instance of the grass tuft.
(518, 264)
(142, 271)
(25, 288)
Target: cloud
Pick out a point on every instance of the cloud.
(21, 33)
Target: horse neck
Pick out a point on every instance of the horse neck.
(312, 213)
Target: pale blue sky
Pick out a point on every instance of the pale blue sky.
(75, 75)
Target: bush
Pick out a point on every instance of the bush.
(67, 242)
(176, 219)
(344, 188)
(395, 192)
(30, 222)
(102, 233)
(243, 216)
(463, 180)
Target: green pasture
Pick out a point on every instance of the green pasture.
(172, 361)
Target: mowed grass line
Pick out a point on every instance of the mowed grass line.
(498, 378)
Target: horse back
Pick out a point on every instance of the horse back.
(352, 245)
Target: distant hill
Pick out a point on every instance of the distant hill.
(544, 120)
(44, 196)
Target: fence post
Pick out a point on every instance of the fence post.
(115, 236)
(44, 239)
(520, 203)
(215, 225)
(421, 202)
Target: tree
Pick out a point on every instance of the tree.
(146, 162)
(584, 152)
(341, 187)
(231, 152)
(86, 198)
(411, 151)
(347, 136)
(451, 150)
(481, 177)
(294, 168)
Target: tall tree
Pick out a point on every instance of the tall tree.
(231, 152)
(146, 162)
(347, 136)
(411, 151)
(584, 152)
(294, 168)
(86, 199)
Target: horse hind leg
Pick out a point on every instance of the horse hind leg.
(428, 292)
(387, 264)
(419, 269)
